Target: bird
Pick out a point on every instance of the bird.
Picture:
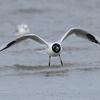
(22, 30)
(54, 49)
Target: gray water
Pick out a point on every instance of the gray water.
(24, 73)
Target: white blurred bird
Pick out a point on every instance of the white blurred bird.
(54, 49)
(22, 30)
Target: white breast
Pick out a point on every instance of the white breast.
(50, 52)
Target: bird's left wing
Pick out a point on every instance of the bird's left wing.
(81, 33)
(24, 37)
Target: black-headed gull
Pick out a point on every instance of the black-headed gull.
(22, 30)
(54, 49)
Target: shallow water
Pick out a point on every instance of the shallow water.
(24, 73)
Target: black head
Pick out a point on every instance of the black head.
(56, 48)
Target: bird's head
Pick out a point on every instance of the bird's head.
(56, 47)
(25, 26)
(22, 30)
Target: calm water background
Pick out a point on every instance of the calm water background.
(24, 73)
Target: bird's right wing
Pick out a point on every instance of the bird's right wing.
(24, 37)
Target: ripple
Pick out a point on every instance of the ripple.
(31, 10)
(75, 48)
(88, 69)
(54, 70)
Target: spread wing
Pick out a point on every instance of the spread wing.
(21, 38)
(81, 33)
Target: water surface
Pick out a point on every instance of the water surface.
(24, 73)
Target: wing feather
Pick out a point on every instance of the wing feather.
(24, 37)
(81, 33)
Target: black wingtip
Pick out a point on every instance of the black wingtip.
(10, 44)
(92, 38)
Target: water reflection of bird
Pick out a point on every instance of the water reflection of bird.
(54, 49)
(22, 30)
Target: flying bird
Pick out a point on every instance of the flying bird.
(54, 49)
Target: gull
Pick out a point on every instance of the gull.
(22, 30)
(54, 49)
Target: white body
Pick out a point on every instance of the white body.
(50, 52)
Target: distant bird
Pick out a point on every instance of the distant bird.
(22, 30)
(54, 49)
